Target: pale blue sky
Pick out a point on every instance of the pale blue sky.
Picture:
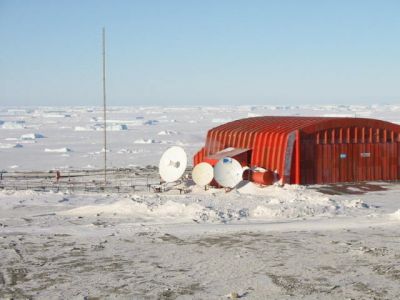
(200, 52)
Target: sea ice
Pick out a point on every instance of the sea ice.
(58, 150)
(31, 136)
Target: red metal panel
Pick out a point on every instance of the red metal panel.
(395, 158)
(370, 135)
(210, 141)
(198, 157)
(389, 154)
(330, 164)
(273, 152)
(392, 161)
(369, 162)
(336, 162)
(384, 160)
(371, 147)
(398, 159)
(319, 165)
(326, 168)
(257, 150)
(268, 148)
(377, 162)
(228, 138)
(356, 162)
(360, 161)
(388, 158)
(362, 167)
(325, 161)
(297, 178)
(282, 148)
(350, 164)
(307, 159)
(343, 157)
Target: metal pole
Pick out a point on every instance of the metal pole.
(104, 106)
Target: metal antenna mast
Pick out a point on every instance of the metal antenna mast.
(104, 107)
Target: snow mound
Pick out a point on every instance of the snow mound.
(167, 132)
(216, 206)
(146, 141)
(252, 115)
(98, 127)
(295, 209)
(129, 151)
(180, 143)
(117, 127)
(84, 128)
(31, 136)
(56, 115)
(58, 150)
(151, 122)
(290, 202)
(358, 203)
(124, 151)
(10, 146)
(126, 207)
(395, 215)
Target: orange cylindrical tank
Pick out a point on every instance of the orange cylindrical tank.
(262, 177)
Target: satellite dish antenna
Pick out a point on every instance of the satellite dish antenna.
(203, 174)
(172, 164)
(228, 172)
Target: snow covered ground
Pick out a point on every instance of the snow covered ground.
(319, 242)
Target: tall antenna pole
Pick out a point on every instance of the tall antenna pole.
(104, 107)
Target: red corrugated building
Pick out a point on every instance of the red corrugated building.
(310, 150)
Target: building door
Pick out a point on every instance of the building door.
(355, 162)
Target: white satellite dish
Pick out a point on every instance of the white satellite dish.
(203, 174)
(228, 172)
(172, 164)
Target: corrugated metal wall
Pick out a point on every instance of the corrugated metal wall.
(350, 155)
(268, 147)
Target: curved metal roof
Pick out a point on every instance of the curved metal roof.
(279, 124)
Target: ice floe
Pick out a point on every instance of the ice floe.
(58, 150)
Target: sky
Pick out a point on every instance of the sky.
(200, 52)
